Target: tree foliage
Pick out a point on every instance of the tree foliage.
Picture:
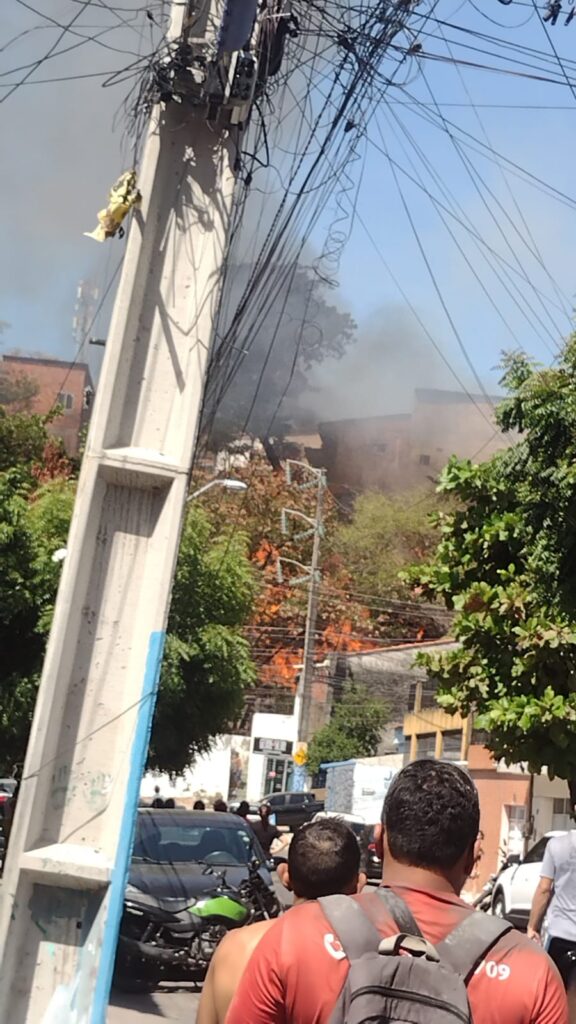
(386, 534)
(207, 663)
(353, 731)
(23, 440)
(506, 562)
(276, 626)
(18, 390)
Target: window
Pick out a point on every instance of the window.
(66, 400)
(424, 460)
(297, 799)
(412, 696)
(536, 854)
(561, 815)
(452, 745)
(426, 746)
(429, 687)
(179, 838)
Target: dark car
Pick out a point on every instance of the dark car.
(173, 848)
(293, 809)
(194, 876)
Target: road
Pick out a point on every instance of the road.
(166, 1005)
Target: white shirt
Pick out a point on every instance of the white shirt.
(559, 864)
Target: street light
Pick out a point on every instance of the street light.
(227, 482)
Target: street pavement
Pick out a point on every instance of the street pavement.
(168, 1004)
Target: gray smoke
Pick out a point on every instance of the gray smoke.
(377, 375)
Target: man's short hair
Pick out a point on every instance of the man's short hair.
(431, 814)
(323, 858)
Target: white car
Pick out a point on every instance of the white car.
(515, 887)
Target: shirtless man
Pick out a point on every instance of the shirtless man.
(324, 858)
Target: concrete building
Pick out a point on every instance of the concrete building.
(405, 451)
(67, 384)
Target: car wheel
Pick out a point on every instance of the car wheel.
(498, 905)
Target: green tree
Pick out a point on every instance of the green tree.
(23, 439)
(506, 562)
(17, 390)
(207, 664)
(387, 533)
(353, 731)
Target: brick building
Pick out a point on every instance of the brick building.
(57, 382)
(405, 451)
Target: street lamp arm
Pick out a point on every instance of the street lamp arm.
(227, 482)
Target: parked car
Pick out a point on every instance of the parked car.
(194, 875)
(293, 809)
(516, 885)
(253, 813)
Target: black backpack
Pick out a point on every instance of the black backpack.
(428, 986)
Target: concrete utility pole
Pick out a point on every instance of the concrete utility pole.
(63, 885)
(304, 692)
(317, 479)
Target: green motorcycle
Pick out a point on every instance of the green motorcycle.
(175, 940)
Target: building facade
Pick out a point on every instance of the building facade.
(405, 452)
(55, 382)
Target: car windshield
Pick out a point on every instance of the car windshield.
(168, 839)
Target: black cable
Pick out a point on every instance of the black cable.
(42, 60)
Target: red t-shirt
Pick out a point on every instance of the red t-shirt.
(298, 969)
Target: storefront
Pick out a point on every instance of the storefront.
(271, 763)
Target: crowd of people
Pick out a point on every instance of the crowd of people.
(410, 949)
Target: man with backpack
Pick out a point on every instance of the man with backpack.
(440, 961)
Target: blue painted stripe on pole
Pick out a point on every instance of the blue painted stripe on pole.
(127, 828)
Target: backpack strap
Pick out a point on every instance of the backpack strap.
(399, 911)
(465, 947)
(352, 927)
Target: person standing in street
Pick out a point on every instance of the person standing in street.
(556, 896)
(300, 969)
(264, 830)
(157, 802)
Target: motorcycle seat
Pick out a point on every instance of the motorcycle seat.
(176, 906)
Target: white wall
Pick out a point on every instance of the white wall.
(359, 787)
(544, 793)
(208, 777)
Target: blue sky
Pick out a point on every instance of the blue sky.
(63, 153)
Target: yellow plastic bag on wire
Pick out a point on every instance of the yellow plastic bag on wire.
(124, 195)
